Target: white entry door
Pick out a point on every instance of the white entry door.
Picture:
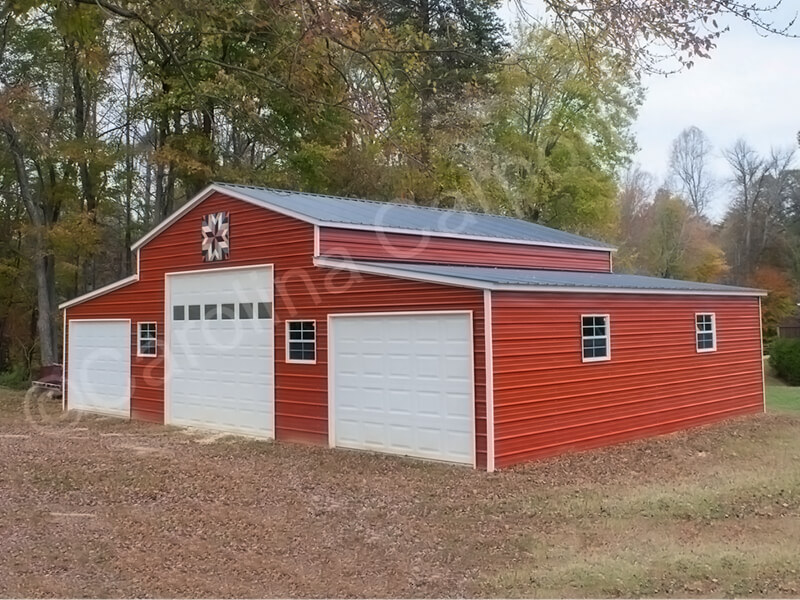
(99, 367)
(221, 351)
(403, 384)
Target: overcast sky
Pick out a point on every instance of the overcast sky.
(749, 88)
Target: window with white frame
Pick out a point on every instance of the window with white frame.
(705, 332)
(148, 344)
(595, 338)
(301, 342)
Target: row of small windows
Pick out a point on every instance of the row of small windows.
(301, 337)
(225, 312)
(596, 336)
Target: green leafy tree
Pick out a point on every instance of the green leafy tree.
(560, 130)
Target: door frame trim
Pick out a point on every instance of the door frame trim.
(400, 313)
(168, 333)
(65, 367)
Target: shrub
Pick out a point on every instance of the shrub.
(784, 356)
(17, 378)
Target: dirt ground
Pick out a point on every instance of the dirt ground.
(100, 507)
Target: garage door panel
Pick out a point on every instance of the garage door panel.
(99, 367)
(403, 384)
(222, 369)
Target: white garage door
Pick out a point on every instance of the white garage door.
(221, 357)
(403, 384)
(99, 367)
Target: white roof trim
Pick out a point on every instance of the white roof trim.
(400, 273)
(334, 225)
(100, 291)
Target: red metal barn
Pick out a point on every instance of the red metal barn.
(445, 335)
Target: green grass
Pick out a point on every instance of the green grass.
(780, 397)
(783, 398)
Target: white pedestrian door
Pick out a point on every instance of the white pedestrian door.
(221, 351)
(99, 367)
(403, 384)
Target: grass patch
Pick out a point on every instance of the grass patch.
(780, 397)
(783, 398)
(667, 569)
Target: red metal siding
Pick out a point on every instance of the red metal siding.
(546, 401)
(427, 249)
(259, 236)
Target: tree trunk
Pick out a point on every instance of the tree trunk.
(128, 179)
(160, 201)
(44, 267)
(426, 89)
(43, 259)
(81, 112)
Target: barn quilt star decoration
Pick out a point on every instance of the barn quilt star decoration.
(216, 231)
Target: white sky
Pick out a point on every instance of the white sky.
(750, 88)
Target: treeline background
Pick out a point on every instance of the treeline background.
(113, 114)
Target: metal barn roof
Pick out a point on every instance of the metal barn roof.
(335, 210)
(534, 279)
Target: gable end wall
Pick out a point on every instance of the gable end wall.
(260, 236)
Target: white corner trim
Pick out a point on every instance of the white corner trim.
(331, 387)
(400, 273)
(100, 291)
(488, 349)
(64, 362)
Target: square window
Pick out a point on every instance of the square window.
(246, 310)
(595, 338)
(210, 312)
(265, 310)
(178, 312)
(227, 311)
(301, 341)
(194, 312)
(147, 339)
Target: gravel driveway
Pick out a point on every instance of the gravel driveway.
(100, 507)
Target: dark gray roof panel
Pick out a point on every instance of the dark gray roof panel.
(369, 213)
(559, 279)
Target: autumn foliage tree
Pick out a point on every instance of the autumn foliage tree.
(113, 112)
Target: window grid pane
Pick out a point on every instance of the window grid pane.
(704, 332)
(147, 339)
(594, 334)
(301, 340)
